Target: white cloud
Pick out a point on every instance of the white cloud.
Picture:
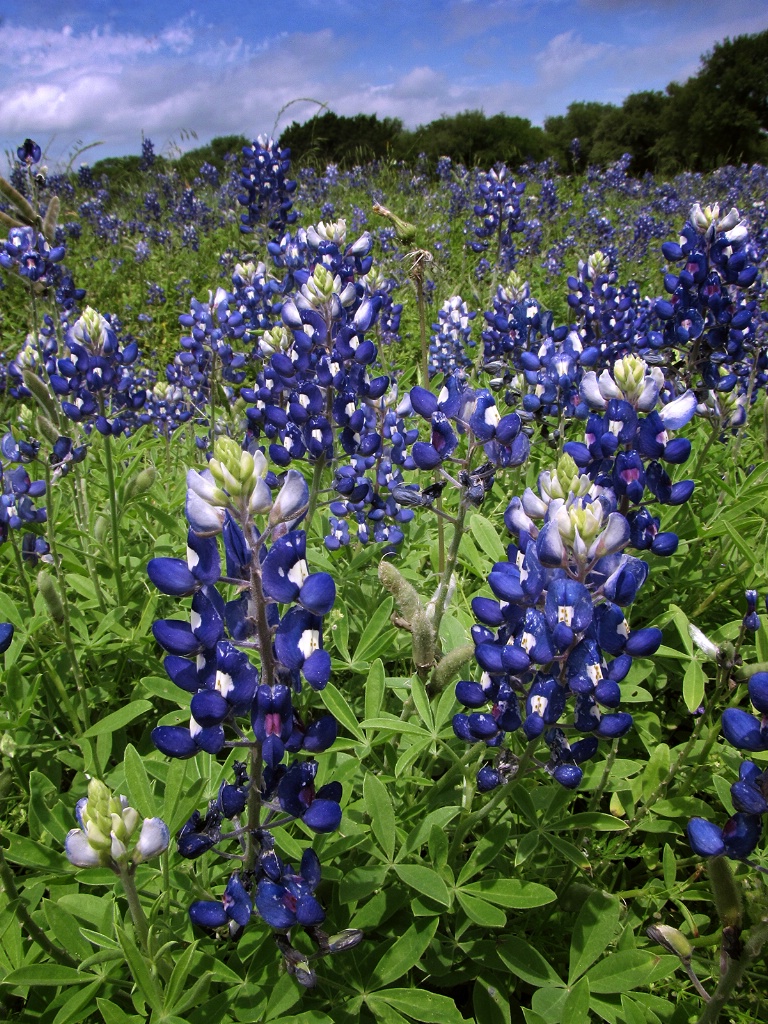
(110, 85)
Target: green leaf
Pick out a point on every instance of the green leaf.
(137, 783)
(142, 976)
(50, 975)
(379, 806)
(723, 789)
(487, 538)
(119, 719)
(406, 951)
(361, 882)
(425, 881)
(375, 687)
(669, 866)
(531, 1017)
(568, 850)
(681, 621)
(594, 821)
(694, 682)
(177, 986)
(308, 1017)
(527, 846)
(550, 1002)
(482, 913)
(421, 1004)
(488, 1001)
(373, 631)
(336, 703)
(656, 769)
(421, 701)
(486, 851)
(392, 724)
(383, 1012)
(511, 892)
(420, 834)
(595, 928)
(43, 818)
(576, 1007)
(633, 1014)
(340, 633)
(527, 963)
(72, 1008)
(66, 930)
(621, 971)
(30, 854)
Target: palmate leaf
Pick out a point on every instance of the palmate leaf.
(420, 1004)
(593, 932)
(405, 952)
(379, 806)
(425, 881)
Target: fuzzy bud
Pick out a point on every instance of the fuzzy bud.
(51, 596)
(406, 596)
(423, 634)
(448, 666)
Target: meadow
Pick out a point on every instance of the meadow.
(455, 708)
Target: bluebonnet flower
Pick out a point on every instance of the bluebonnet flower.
(277, 614)
(449, 347)
(29, 152)
(624, 450)
(708, 315)
(558, 612)
(267, 187)
(499, 210)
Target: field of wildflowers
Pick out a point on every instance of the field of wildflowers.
(456, 706)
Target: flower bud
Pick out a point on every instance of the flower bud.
(153, 840)
(671, 939)
(405, 231)
(292, 500)
(51, 596)
(423, 634)
(406, 596)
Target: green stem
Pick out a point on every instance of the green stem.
(113, 516)
(22, 915)
(254, 806)
(450, 564)
(212, 403)
(66, 630)
(81, 519)
(419, 282)
(135, 907)
(314, 492)
(594, 800)
(22, 574)
(758, 936)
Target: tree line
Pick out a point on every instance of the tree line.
(718, 116)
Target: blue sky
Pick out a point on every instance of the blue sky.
(81, 71)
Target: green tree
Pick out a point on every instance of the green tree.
(721, 114)
(582, 121)
(471, 138)
(632, 128)
(331, 138)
